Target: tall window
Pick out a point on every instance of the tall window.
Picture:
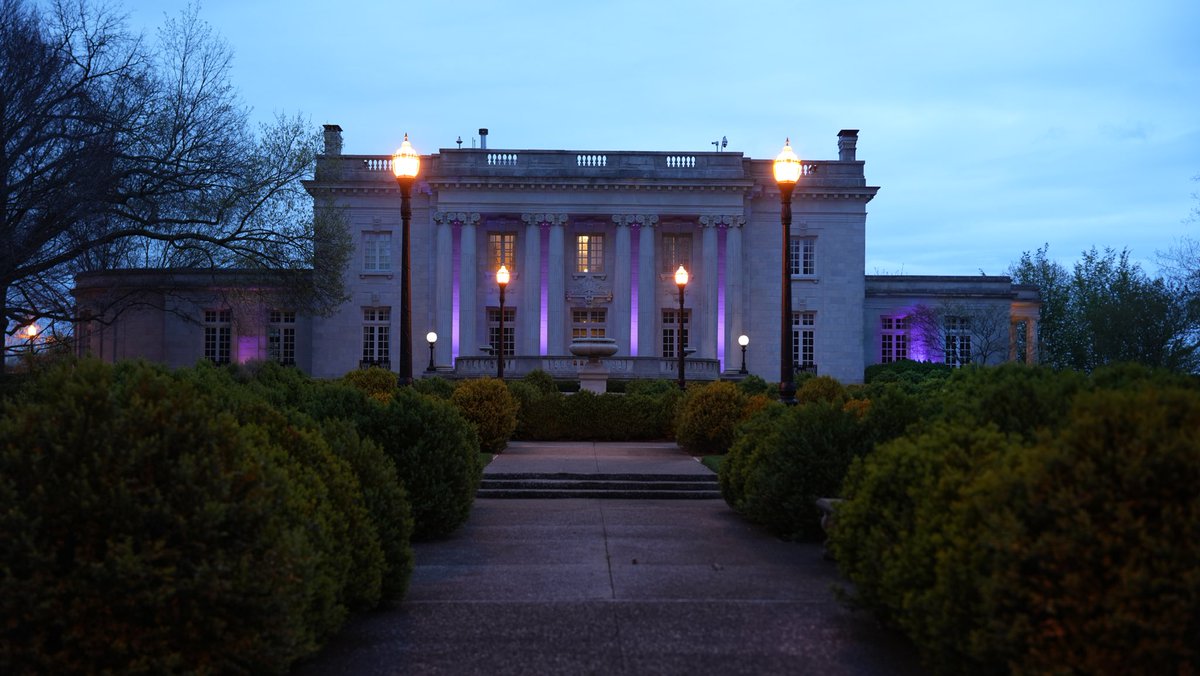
(502, 250)
(218, 335)
(804, 339)
(893, 337)
(589, 253)
(670, 325)
(510, 322)
(281, 337)
(802, 256)
(377, 251)
(958, 341)
(587, 323)
(676, 251)
(377, 337)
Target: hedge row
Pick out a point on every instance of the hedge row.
(210, 520)
(1036, 522)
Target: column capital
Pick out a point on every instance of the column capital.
(455, 218)
(644, 220)
(730, 221)
(544, 219)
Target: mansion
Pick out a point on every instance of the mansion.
(592, 240)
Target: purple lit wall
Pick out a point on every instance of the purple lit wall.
(544, 296)
(634, 257)
(455, 256)
(722, 234)
(249, 348)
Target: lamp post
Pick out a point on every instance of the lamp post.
(502, 282)
(681, 280)
(787, 172)
(743, 340)
(431, 337)
(406, 163)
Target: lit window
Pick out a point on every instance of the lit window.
(502, 250)
(588, 323)
(589, 253)
(377, 251)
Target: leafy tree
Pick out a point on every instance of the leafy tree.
(122, 152)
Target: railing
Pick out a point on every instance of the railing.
(619, 368)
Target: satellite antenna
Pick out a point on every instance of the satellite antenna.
(459, 142)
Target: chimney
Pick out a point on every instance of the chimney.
(483, 138)
(847, 140)
(333, 139)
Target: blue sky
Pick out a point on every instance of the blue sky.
(991, 127)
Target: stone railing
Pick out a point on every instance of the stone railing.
(566, 367)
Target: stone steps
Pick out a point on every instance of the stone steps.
(612, 486)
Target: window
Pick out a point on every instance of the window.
(589, 253)
(377, 252)
(377, 337)
(802, 256)
(510, 323)
(502, 250)
(669, 336)
(893, 337)
(958, 341)
(281, 337)
(218, 335)
(588, 323)
(676, 251)
(804, 339)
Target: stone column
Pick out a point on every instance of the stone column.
(1031, 341)
(443, 288)
(1012, 340)
(734, 295)
(647, 284)
(468, 290)
(529, 307)
(622, 280)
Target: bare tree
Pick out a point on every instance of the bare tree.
(118, 153)
(961, 333)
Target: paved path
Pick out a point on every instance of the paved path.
(613, 587)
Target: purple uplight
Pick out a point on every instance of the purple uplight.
(455, 256)
(634, 253)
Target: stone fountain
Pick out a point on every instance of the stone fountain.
(593, 375)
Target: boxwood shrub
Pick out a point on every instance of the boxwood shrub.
(708, 416)
(143, 529)
(488, 405)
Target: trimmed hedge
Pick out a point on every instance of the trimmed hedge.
(1072, 550)
(488, 405)
(144, 529)
(708, 417)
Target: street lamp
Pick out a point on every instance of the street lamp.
(502, 282)
(681, 280)
(787, 172)
(743, 340)
(431, 337)
(406, 163)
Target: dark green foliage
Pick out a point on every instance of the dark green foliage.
(377, 383)
(385, 499)
(435, 386)
(144, 530)
(651, 388)
(1073, 550)
(907, 372)
(1018, 399)
(784, 462)
(436, 453)
(549, 416)
(752, 385)
(708, 417)
(821, 388)
(541, 381)
(488, 405)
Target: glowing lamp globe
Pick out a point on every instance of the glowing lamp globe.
(502, 276)
(406, 162)
(743, 340)
(787, 165)
(681, 276)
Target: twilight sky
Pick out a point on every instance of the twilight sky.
(991, 127)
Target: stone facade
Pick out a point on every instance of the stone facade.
(591, 240)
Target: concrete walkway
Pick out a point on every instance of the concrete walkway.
(613, 587)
